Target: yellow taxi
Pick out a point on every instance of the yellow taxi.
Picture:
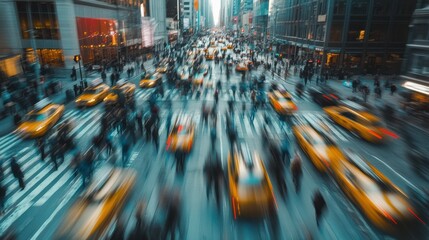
(250, 187)
(162, 67)
(361, 123)
(321, 150)
(230, 46)
(211, 53)
(282, 102)
(151, 80)
(198, 79)
(381, 201)
(93, 95)
(121, 87)
(224, 48)
(92, 214)
(37, 122)
(241, 67)
(181, 136)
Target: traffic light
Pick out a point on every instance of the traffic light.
(76, 58)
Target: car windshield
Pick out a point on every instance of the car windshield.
(90, 91)
(153, 77)
(251, 185)
(367, 179)
(284, 99)
(35, 117)
(180, 130)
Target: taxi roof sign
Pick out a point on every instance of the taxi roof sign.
(42, 103)
(96, 82)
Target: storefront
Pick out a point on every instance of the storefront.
(418, 97)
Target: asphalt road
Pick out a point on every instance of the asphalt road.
(36, 212)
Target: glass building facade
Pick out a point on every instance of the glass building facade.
(350, 34)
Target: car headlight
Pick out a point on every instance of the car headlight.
(91, 101)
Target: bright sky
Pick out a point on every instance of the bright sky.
(216, 10)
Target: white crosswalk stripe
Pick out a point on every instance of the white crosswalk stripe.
(39, 176)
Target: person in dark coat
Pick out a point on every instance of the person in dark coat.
(76, 90)
(296, 170)
(155, 136)
(139, 122)
(3, 191)
(392, 89)
(41, 146)
(319, 205)
(17, 172)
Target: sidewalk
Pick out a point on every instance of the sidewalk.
(368, 80)
(7, 125)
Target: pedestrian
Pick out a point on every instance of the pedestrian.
(53, 151)
(1, 170)
(285, 151)
(296, 170)
(119, 232)
(73, 74)
(112, 79)
(126, 145)
(392, 89)
(17, 172)
(354, 85)
(40, 142)
(3, 191)
(103, 75)
(214, 174)
(319, 205)
(155, 136)
(216, 96)
(76, 90)
(253, 113)
(139, 122)
(140, 228)
(173, 217)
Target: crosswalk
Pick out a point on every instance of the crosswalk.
(175, 95)
(42, 182)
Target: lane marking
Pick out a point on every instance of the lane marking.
(60, 206)
(399, 175)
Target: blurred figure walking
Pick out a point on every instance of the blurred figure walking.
(17, 172)
(319, 205)
(296, 171)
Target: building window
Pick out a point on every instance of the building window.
(336, 30)
(400, 33)
(359, 7)
(382, 7)
(186, 3)
(51, 57)
(186, 8)
(340, 7)
(420, 32)
(419, 64)
(356, 32)
(378, 32)
(98, 40)
(44, 18)
(405, 7)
